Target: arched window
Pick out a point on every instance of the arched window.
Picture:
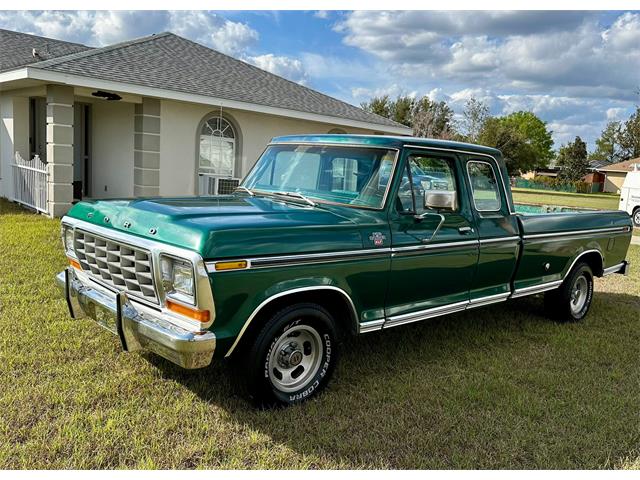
(217, 155)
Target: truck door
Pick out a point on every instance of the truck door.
(497, 228)
(434, 239)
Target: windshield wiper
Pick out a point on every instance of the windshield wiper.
(245, 189)
(296, 195)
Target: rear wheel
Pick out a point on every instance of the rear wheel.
(572, 300)
(636, 217)
(293, 356)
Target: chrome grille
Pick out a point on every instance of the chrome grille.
(116, 264)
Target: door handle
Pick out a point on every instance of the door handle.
(465, 230)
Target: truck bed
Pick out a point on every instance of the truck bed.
(553, 242)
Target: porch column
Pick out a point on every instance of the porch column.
(146, 153)
(59, 149)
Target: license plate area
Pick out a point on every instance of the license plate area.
(104, 317)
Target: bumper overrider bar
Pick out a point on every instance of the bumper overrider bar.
(137, 326)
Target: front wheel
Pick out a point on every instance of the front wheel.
(636, 217)
(293, 357)
(572, 300)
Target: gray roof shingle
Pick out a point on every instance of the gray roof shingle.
(16, 49)
(168, 61)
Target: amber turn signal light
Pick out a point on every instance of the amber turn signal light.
(199, 315)
(235, 265)
(75, 264)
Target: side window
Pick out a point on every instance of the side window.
(484, 186)
(428, 184)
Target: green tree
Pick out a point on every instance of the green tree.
(608, 146)
(399, 110)
(378, 105)
(474, 116)
(572, 160)
(402, 110)
(518, 153)
(535, 133)
(630, 137)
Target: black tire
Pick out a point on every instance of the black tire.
(268, 357)
(572, 300)
(636, 217)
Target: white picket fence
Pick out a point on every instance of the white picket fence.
(30, 182)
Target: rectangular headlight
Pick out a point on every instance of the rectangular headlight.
(183, 278)
(177, 278)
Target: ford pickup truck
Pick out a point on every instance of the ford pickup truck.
(327, 236)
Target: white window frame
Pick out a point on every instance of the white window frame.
(230, 140)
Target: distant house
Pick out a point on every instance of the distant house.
(616, 173)
(551, 172)
(594, 179)
(159, 115)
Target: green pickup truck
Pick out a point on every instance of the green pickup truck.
(327, 236)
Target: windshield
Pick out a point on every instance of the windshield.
(357, 176)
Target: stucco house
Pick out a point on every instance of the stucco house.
(616, 173)
(159, 115)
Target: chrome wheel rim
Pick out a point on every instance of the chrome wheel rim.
(579, 294)
(295, 358)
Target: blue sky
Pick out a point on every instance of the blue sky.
(576, 70)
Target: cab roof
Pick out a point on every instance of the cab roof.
(386, 141)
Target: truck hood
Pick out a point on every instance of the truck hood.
(227, 226)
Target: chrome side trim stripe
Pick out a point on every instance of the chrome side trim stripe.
(578, 232)
(444, 310)
(305, 258)
(326, 257)
(614, 269)
(424, 314)
(434, 246)
(482, 301)
(499, 240)
(371, 326)
(532, 290)
(264, 262)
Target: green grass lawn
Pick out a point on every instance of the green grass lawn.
(603, 201)
(499, 387)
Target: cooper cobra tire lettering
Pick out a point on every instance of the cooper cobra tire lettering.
(321, 374)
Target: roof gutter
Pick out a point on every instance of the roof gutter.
(109, 85)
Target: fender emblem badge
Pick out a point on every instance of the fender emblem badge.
(377, 238)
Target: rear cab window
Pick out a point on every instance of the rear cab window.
(485, 190)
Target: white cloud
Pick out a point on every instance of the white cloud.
(99, 28)
(568, 53)
(323, 14)
(289, 68)
(615, 113)
(393, 91)
(213, 30)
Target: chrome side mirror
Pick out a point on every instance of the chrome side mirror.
(440, 199)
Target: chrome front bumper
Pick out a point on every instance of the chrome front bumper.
(138, 327)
